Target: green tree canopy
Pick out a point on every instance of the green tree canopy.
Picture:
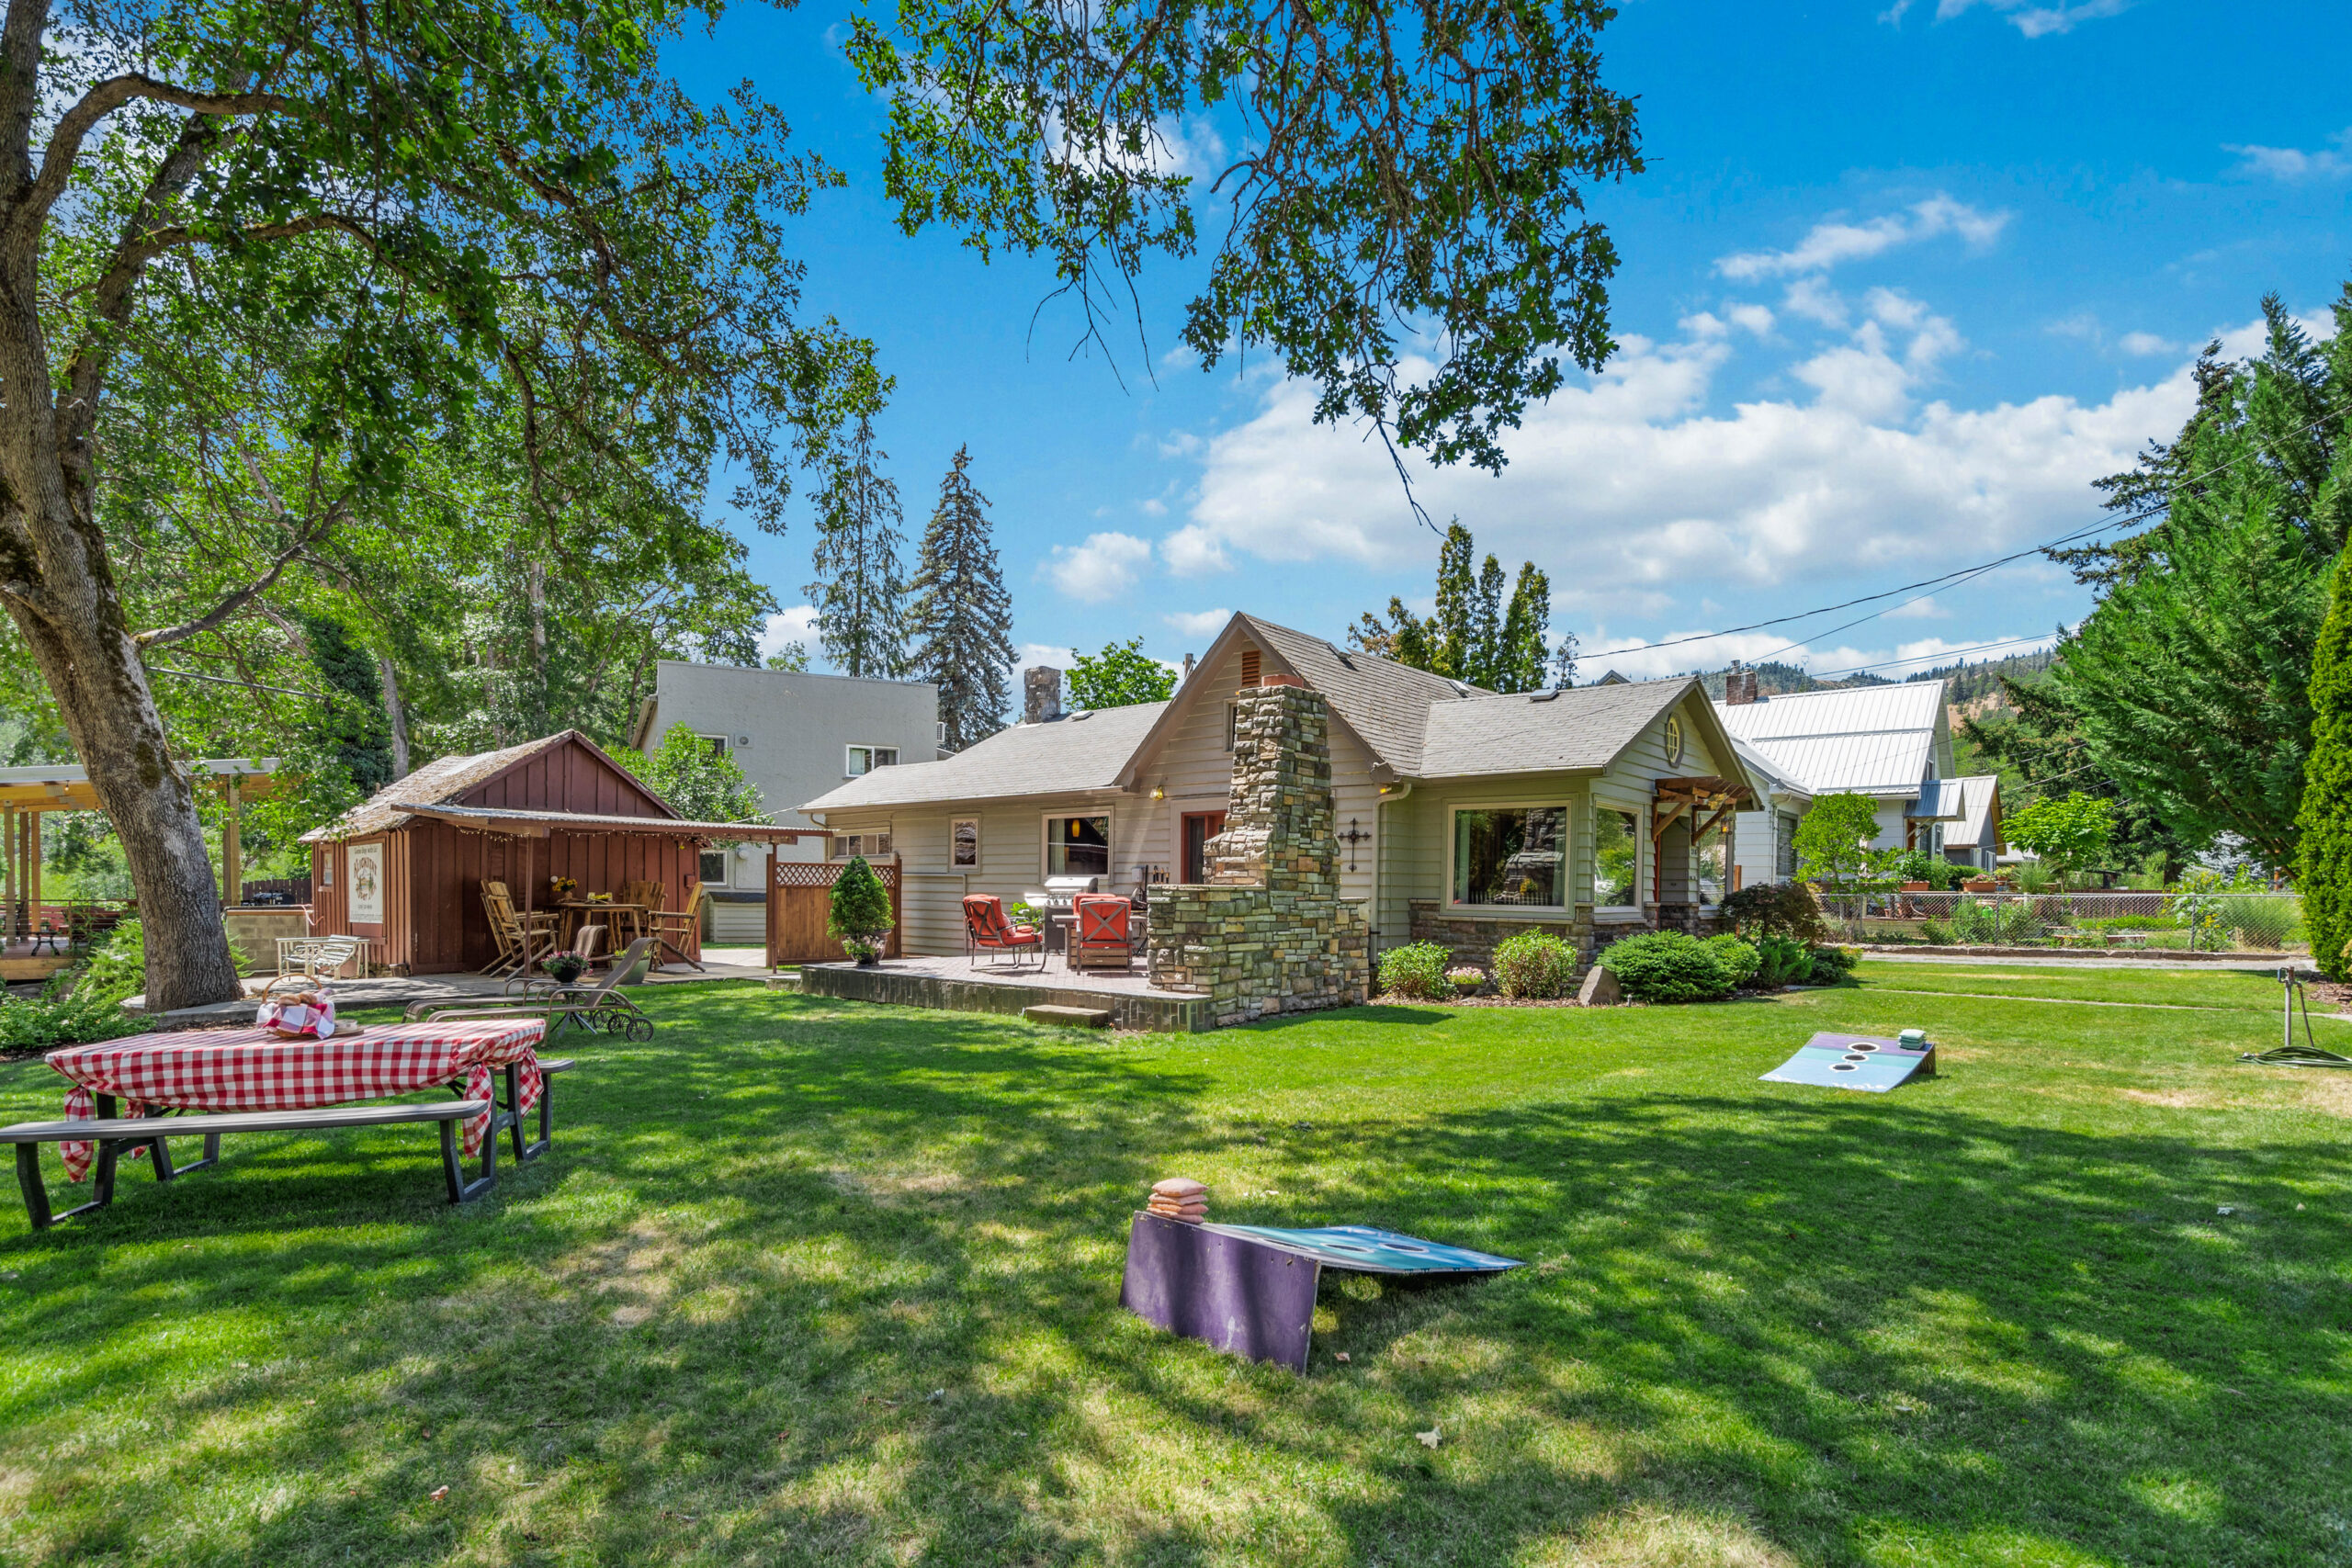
(2323, 869)
(961, 613)
(697, 779)
(1471, 635)
(1833, 839)
(2070, 832)
(1120, 675)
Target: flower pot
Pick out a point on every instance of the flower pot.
(1918, 886)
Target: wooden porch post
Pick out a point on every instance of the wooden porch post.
(33, 869)
(768, 903)
(9, 854)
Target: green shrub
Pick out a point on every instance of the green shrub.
(1781, 961)
(83, 1003)
(1776, 908)
(1534, 967)
(1935, 932)
(1666, 966)
(1416, 972)
(1738, 960)
(1831, 964)
(859, 914)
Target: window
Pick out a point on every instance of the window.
(873, 846)
(966, 840)
(1232, 723)
(864, 760)
(1515, 856)
(717, 743)
(1712, 857)
(1616, 859)
(1078, 846)
(1784, 856)
(714, 866)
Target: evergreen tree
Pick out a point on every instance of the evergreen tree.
(1471, 637)
(861, 588)
(1454, 626)
(2324, 865)
(1522, 656)
(1481, 662)
(1564, 661)
(961, 614)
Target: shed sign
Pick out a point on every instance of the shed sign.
(367, 882)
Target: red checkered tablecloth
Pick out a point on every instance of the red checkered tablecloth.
(255, 1069)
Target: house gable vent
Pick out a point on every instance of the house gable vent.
(1250, 667)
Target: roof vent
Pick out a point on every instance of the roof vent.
(1345, 662)
(1082, 712)
(1542, 696)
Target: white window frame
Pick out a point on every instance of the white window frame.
(1046, 842)
(1643, 847)
(1232, 723)
(871, 749)
(719, 744)
(956, 843)
(884, 844)
(726, 868)
(1567, 860)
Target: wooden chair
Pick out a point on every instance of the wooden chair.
(521, 943)
(986, 929)
(1101, 938)
(669, 928)
(317, 960)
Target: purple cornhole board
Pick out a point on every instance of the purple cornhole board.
(1866, 1061)
(1240, 1295)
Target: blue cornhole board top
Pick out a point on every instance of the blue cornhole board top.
(1370, 1251)
(1834, 1061)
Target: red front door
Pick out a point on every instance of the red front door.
(1200, 827)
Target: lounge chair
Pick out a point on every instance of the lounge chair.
(601, 1005)
(986, 929)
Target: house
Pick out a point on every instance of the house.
(1765, 842)
(1976, 840)
(404, 869)
(1892, 743)
(1462, 815)
(795, 736)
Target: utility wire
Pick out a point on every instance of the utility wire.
(243, 685)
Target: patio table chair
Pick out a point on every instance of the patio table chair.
(986, 929)
(315, 960)
(1102, 937)
(522, 941)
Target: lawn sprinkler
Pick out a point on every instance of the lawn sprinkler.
(2287, 1054)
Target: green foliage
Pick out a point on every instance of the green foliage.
(1918, 866)
(2069, 833)
(1534, 966)
(792, 659)
(2323, 864)
(1833, 965)
(1740, 961)
(1472, 636)
(960, 614)
(80, 1004)
(2001, 922)
(858, 913)
(1831, 842)
(698, 781)
(1416, 972)
(1666, 966)
(1781, 961)
(1776, 908)
(1119, 676)
(861, 587)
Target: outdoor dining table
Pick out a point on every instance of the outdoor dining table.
(576, 912)
(257, 1069)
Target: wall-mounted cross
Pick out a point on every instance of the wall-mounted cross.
(1352, 838)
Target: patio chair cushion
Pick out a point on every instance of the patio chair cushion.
(983, 918)
(1101, 920)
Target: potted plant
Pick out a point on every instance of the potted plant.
(565, 967)
(859, 915)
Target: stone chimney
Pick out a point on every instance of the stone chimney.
(1278, 821)
(1739, 686)
(1040, 690)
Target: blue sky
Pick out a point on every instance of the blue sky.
(1898, 283)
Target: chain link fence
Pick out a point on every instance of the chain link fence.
(2202, 921)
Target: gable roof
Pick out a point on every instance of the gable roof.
(1980, 795)
(1073, 753)
(1581, 729)
(1866, 739)
(448, 780)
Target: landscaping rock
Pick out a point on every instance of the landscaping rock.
(1599, 989)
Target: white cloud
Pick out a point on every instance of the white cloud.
(1895, 662)
(1155, 507)
(2037, 21)
(1828, 244)
(1925, 609)
(1033, 653)
(1627, 484)
(796, 624)
(1816, 302)
(2292, 164)
(1201, 624)
(1102, 568)
(2145, 345)
(1757, 319)
(1195, 551)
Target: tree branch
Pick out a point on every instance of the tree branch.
(102, 99)
(219, 615)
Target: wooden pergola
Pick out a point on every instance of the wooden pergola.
(28, 794)
(1707, 803)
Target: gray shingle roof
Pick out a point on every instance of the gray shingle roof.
(1583, 728)
(1068, 754)
(1386, 704)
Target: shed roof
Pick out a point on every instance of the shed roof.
(517, 823)
(1076, 752)
(1867, 739)
(1977, 826)
(1582, 730)
(446, 780)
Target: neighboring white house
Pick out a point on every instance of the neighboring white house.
(795, 737)
(1892, 743)
(1764, 846)
(1975, 839)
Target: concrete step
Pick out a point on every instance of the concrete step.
(1069, 1018)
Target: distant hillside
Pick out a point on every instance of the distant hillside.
(1970, 688)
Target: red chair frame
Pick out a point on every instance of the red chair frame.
(1105, 929)
(986, 929)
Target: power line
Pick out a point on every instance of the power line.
(242, 685)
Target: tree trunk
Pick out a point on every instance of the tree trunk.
(398, 713)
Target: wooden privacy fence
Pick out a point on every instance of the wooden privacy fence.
(800, 895)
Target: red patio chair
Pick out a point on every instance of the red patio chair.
(1102, 938)
(987, 930)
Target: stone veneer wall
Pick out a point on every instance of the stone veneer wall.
(1268, 933)
(1472, 941)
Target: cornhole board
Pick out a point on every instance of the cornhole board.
(1866, 1061)
(1249, 1290)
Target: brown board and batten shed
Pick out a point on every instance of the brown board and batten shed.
(405, 868)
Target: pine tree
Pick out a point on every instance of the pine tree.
(2324, 868)
(1470, 636)
(1522, 656)
(1454, 625)
(961, 614)
(861, 588)
(1481, 663)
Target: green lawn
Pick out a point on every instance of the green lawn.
(804, 1282)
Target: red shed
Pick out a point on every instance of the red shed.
(557, 806)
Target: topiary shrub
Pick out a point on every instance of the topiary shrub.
(1781, 961)
(1776, 908)
(859, 915)
(1534, 967)
(1417, 973)
(2324, 861)
(1666, 966)
(1739, 960)
(1832, 964)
